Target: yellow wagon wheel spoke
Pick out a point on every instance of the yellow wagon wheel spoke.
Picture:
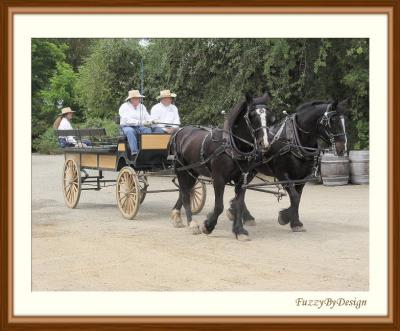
(71, 183)
(198, 197)
(127, 192)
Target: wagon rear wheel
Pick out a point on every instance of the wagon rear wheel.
(128, 192)
(71, 183)
(198, 197)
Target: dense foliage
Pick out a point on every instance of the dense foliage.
(209, 76)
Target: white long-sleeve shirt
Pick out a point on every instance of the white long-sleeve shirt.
(130, 115)
(165, 114)
(66, 125)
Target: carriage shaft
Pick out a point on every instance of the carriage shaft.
(282, 194)
(282, 182)
(161, 191)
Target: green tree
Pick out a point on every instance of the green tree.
(109, 72)
(209, 76)
(61, 92)
(45, 56)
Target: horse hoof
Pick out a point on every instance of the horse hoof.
(177, 224)
(176, 219)
(204, 230)
(230, 215)
(298, 229)
(243, 237)
(250, 223)
(194, 228)
(281, 220)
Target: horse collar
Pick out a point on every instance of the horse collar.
(298, 127)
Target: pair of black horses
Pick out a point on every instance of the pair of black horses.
(250, 143)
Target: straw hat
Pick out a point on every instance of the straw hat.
(66, 110)
(166, 94)
(134, 94)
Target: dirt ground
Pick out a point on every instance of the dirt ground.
(93, 248)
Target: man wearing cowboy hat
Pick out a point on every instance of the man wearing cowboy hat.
(165, 114)
(133, 117)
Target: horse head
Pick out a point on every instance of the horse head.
(259, 117)
(332, 126)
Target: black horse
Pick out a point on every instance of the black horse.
(294, 147)
(224, 155)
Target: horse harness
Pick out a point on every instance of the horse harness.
(293, 144)
(227, 146)
(254, 158)
(325, 122)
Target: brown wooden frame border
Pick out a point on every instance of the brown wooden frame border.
(11, 322)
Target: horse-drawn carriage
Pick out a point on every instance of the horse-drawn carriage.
(249, 144)
(132, 179)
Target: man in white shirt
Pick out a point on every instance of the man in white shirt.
(165, 113)
(133, 116)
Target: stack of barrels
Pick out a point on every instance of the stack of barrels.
(338, 170)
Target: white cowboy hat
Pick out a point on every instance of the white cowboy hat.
(134, 94)
(66, 110)
(166, 94)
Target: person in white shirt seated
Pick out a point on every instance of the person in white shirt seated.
(133, 118)
(165, 114)
(63, 122)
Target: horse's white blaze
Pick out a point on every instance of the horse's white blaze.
(345, 135)
(263, 117)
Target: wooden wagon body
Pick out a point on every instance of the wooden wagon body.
(132, 179)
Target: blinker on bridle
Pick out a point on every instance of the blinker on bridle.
(264, 108)
(325, 121)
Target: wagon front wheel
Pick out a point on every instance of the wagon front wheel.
(128, 192)
(71, 183)
(198, 197)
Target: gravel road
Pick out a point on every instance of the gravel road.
(93, 248)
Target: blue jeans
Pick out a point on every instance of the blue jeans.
(131, 133)
(157, 129)
(64, 143)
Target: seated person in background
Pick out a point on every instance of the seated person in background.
(165, 113)
(63, 122)
(133, 117)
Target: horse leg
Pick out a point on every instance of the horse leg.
(248, 219)
(237, 228)
(176, 218)
(230, 212)
(212, 218)
(295, 223)
(186, 183)
(291, 214)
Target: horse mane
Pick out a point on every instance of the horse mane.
(309, 104)
(232, 117)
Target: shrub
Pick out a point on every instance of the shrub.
(112, 129)
(46, 143)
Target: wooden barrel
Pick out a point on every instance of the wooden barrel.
(334, 169)
(359, 167)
